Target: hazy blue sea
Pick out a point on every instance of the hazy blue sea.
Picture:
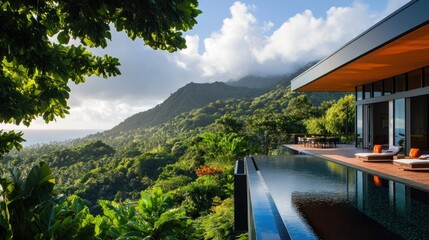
(39, 136)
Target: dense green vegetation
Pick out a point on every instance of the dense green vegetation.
(38, 60)
(162, 174)
(172, 179)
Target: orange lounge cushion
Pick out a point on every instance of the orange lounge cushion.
(414, 153)
(377, 148)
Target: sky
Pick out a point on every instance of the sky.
(232, 39)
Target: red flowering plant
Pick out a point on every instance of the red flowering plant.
(209, 170)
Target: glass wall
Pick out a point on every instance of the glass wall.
(359, 126)
(408, 81)
(367, 141)
(378, 89)
(419, 123)
(399, 123)
(388, 86)
(368, 91)
(359, 94)
(410, 115)
(381, 123)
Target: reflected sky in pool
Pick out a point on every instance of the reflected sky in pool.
(321, 199)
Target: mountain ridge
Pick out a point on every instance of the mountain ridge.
(191, 96)
(257, 82)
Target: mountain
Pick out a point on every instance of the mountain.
(197, 95)
(270, 83)
(191, 96)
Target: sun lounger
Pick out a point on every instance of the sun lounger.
(386, 155)
(413, 164)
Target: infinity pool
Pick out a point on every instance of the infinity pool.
(319, 199)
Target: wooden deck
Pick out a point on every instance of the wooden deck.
(344, 154)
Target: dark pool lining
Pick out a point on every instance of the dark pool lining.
(265, 210)
(284, 234)
(254, 163)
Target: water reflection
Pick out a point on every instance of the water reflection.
(322, 199)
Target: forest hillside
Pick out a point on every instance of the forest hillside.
(103, 186)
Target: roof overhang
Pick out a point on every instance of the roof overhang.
(397, 44)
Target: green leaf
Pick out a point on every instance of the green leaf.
(5, 226)
(9, 140)
(40, 181)
(63, 37)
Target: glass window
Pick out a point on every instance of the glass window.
(426, 76)
(400, 83)
(380, 119)
(388, 86)
(399, 134)
(368, 90)
(415, 79)
(359, 93)
(359, 126)
(419, 123)
(378, 88)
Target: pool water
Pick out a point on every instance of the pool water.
(319, 199)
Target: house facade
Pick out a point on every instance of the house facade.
(387, 67)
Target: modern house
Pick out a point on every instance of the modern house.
(387, 67)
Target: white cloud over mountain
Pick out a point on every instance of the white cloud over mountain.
(242, 47)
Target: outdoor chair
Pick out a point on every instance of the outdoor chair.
(322, 142)
(385, 155)
(414, 161)
(302, 141)
(332, 142)
(312, 141)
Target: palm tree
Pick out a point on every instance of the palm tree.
(24, 201)
(163, 221)
(152, 218)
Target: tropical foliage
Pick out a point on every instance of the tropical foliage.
(338, 119)
(162, 174)
(24, 200)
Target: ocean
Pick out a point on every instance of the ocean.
(44, 136)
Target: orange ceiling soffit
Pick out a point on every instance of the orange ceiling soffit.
(397, 44)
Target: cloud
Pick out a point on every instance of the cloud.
(304, 38)
(147, 74)
(91, 114)
(227, 51)
(100, 114)
(242, 46)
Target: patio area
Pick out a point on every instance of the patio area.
(344, 154)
